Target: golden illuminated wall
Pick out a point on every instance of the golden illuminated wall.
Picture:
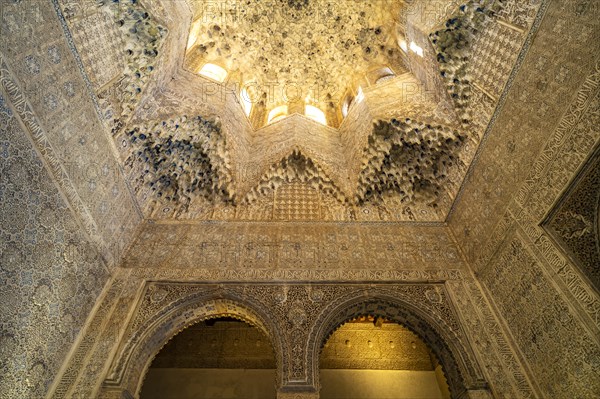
(230, 358)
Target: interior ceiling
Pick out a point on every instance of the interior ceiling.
(399, 155)
(316, 48)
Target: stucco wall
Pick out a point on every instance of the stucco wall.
(50, 274)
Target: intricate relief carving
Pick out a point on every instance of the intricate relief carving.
(562, 154)
(183, 164)
(342, 42)
(453, 45)
(186, 157)
(98, 39)
(540, 320)
(507, 376)
(493, 56)
(519, 13)
(52, 100)
(396, 304)
(375, 344)
(58, 170)
(296, 167)
(181, 159)
(297, 315)
(300, 318)
(68, 379)
(210, 39)
(274, 253)
(575, 221)
(408, 159)
(143, 38)
(45, 296)
(297, 201)
(528, 117)
(224, 344)
(148, 334)
(572, 225)
(284, 248)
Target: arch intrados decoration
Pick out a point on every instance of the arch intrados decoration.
(448, 351)
(134, 359)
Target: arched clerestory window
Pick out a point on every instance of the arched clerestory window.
(315, 114)
(213, 72)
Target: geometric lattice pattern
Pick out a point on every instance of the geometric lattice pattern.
(296, 201)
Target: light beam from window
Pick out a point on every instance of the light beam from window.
(315, 113)
(404, 45)
(213, 72)
(277, 113)
(194, 32)
(359, 95)
(246, 101)
(415, 48)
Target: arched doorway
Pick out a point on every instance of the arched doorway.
(129, 368)
(441, 338)
(215, 358)
(298, 329)
(373, 358)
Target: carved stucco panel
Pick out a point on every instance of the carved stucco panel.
(295, 317)
(559, 349)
